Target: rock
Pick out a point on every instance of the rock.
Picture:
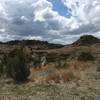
(43, 61)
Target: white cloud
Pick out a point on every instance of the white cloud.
(21, 19)
(86, 14)
(85, 10)
(2, 30)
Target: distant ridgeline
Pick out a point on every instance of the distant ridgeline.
(37, 44)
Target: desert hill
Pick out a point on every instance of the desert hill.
(86, 40)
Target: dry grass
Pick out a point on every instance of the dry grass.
(72, 70)
(53, 78)
(67, 76)
(40, 74)
(50, 73)
(79, 65)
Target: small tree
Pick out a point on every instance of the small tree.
(1, 69)
(16, 65)
(2, 65)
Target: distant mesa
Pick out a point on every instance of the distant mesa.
(86, 40)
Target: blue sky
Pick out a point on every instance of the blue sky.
(60, 8)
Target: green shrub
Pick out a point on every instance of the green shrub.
(2, 65)
(85, 56)
(1, 69)
(16, 65)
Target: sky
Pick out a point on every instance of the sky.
(57, 21)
